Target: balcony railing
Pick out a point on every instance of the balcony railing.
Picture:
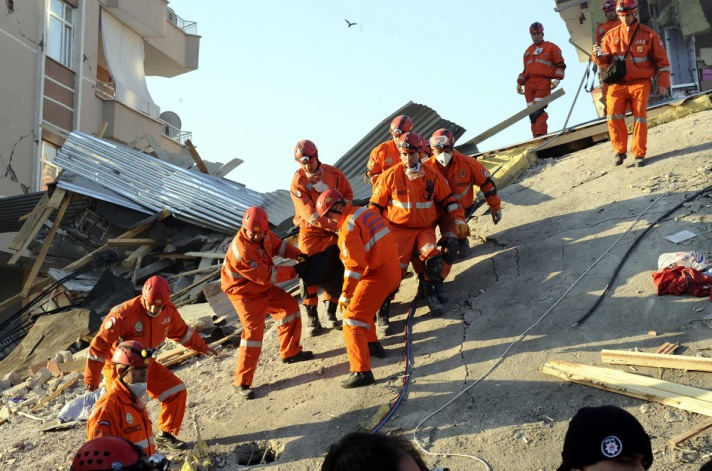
(176, 134)
(105, 91)
(189, 27)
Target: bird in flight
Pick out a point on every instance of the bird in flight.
(349, 23)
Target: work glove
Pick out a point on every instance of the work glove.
(91, 387)
(343, 302)
(497, 216)
(301, 268)
(302, 257)
(596, 50)
(461, 229)
(211, 351)
(554, 83)
(520, 89)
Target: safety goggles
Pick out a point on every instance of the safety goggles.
(304, 159)
(438, 141)
(622, 11)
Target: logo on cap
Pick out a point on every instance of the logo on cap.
(611, 446)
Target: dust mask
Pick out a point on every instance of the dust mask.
(139, 390)
(444, 158)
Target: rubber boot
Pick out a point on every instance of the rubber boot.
(314, 327)
(463, 247)
(331, 321)
(436, 309)
(383, 324)
(440, 291)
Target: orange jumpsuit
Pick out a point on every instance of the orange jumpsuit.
(384, 156)
(371, 273)
(645, 59)
(411, 208)
(601, 31)
(316, 233)
(248, 277)
(543, 62)
(117, 414)
(461, 173)
(129, 321)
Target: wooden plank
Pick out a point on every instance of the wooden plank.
(681, 437)
(229, 167)
(206, 254)
(137, 255)
(667, 348)
(36, 215)
(515, 118)
(45, 247)
(676, 395)
(66, 385)
(160, 153)
(658, 360)
(191, 353)
(196, 283)
(102, 129)
(196, 157)
(129, 242)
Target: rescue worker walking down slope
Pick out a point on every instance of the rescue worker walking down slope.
(385, 155)
(407, 196)
(646, 58)
(372, 272)
(149, 318)
(461, 172)
(315, 233)
(121, 412)
(543, 69)
(248, 278)
(612, 20)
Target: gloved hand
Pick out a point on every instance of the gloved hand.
(211, 351)
(343, 302)
(554, 83)
(596, 50)
(497, 216)
(461, 229)
(302, 257)
(520, 89)
(662, 91)
(301, 268)
(90, 387)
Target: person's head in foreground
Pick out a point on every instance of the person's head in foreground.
(115, 453)
(360, 451)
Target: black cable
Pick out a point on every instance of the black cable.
(630, 249)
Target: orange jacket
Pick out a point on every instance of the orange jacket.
(646, 58)
(543, 60)
(305, 193)
(384, 156)
(117, 414)
(461, 173)
(129, 321)
(248, 270)
(366, 244)
(603, 28)
(413, 203)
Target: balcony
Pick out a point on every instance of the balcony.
(176, 52)
(146, 17)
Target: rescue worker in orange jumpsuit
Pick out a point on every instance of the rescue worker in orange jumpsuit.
(609, 9)
(646, 59)
(461, 172)
(149, 318)
(543, 69)
(248, 277)
(371, 273)
(408, 196)
(121, 412)
(115, 454)
(385, 155)
(315, 233)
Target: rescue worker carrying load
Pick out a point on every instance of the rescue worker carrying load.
(315, 233)
(385, 155)
(408, 196)
(543, 69)
(248, 277)
(372, 272)
(461, 172)
(149, 318)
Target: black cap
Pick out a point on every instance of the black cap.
(603, 433)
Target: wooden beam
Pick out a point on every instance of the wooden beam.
(657, 360)
(229, 167)
(34, 216)
(137, 255)
(191, 353)
(681, 437)
(102, 129)
(160, 153)
(206, 254)
(196, 157)
(516, 117)
(199, 282)
(66, 385)
(124, 242)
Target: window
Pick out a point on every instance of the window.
(59, 34)
(49, 170)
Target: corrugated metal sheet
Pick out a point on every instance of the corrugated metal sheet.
(13, 207)
(353, 163)
(120, 173)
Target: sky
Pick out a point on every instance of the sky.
(274, 72)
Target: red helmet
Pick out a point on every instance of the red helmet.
(327, 199)
(442, 138)
(609, 5)
(410, 140)
(536, 28)
(401, 124)
(131, 353)
(106, 453)
(156, 291)
(305, 150)
(255, 219)
(626, 7)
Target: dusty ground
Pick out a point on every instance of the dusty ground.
(559, 218)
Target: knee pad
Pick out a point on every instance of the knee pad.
(434, 266)
(449, 250)
(535, 115)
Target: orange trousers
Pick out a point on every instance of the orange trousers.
(359, 328)
(311, 242)
(284, 309)
(165, 387)
(618, 99)
(417, 245)
(535, 89)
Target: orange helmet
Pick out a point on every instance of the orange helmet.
(536, 28)
(626, 7)
(131, 353)
(255, 220)
(410, 140)
(441, 139)
(401, 124)
(156, 291)
(305, 150)
(107, 453)
(609, 5)
(328, 199)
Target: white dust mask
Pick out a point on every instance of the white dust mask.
(444, 158)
